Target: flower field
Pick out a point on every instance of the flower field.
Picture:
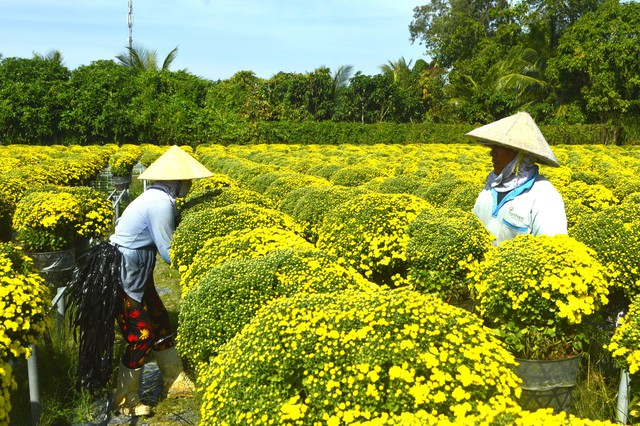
(351, 284)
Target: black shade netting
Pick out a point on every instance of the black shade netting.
(91, 300)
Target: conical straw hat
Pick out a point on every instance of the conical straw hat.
(175, 164)
(518, 132)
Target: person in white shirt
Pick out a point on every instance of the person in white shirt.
(117, 283)
(516, 199)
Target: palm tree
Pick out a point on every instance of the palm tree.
(144, 59)
(341, 78)
(53, 56)
(521, 72)
(427, 75)
(400, 69)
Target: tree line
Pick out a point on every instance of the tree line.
(564, 61)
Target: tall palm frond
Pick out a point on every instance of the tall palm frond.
(169, 59)
(130, 59)
(399, 69)
(52, 56)
(144, 59)
(341, 77)
(522, 70)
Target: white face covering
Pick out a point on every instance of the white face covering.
(517, 172)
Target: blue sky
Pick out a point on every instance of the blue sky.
(217, 38)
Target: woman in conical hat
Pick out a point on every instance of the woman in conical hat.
(123, 271)
(516, 198)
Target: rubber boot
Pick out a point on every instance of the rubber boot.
(176, 382)
(127, 399)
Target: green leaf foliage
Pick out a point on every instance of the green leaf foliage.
(229, 295)
(443, 243)
(195, 229)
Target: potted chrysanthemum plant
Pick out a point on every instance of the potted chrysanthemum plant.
(538, 294)
(50, 221)
(121, 164)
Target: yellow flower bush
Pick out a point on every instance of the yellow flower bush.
(369, 233)
(204, 190)
(74, 165)
(580, 198)
(24, 298)
(46, 220)
(16, 182)
(309, 205)
(560, 176)
(625, 350)
(622, 183)
(228, 296)
(122, 161)
(50, 218)
(325, 170)
(633, 198)
(150, 153)
(354, 175)
(263, 176)
(7, 384)
(443, 243)
(96, 211)
(240, 170)
(216, 181)
(614, 234)
(463, 196)
(282, 186)
(12, 188)
(349, 357)
(250, 243)
(195, 229)
(440, 192)
(209, 198)
(32, 166)
(394, 185)
(25, 167)
(537, 291)
(489, 417)
(625, 342)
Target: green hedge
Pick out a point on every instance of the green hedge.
(272, 132)
(581, 134)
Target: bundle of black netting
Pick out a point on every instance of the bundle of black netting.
(91, 300)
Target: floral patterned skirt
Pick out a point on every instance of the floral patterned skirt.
(144, 325)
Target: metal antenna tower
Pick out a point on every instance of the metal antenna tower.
(130, 22)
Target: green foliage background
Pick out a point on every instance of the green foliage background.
(572, 65)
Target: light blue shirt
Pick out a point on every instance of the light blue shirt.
(146, 226)
(148, 221)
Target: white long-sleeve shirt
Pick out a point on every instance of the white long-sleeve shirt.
(149, 221)
(146, 225)
(534, 207)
